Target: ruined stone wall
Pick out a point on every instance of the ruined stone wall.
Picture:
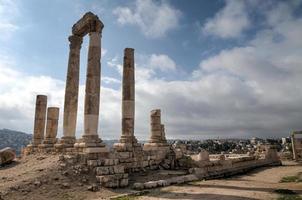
(112, 170)
(297, 148)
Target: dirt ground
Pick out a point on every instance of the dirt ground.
(258, 184)
(39, 177)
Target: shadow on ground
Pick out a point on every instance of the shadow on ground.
(9, 165)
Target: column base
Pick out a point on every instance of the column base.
(35, 143)
(156, 139)
(65, 142)
(155, 146)
(128, 139)
(49, 141)
(91, 144)
(122, 147)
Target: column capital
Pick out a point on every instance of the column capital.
(95, 26)
(75, 41)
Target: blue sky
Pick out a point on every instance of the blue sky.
(215, 68)
(43, 27)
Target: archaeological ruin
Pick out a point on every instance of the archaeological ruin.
(296, 139)
(113, 167)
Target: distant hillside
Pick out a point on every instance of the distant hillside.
(14, 139)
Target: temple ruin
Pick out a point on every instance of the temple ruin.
(112, 167)
(296, 139)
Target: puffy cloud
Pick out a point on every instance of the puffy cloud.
(17, 96)
(229, 22)
(9, 10)
(154, 19)
(162, 62)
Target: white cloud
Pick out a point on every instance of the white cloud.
(17, 96)
(103, 52)
(229, 22)
(9, 10)
(162, 62)
(110, 80)
(154, 19)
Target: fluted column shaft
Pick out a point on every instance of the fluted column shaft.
(52, 123)
(128, 98)
(92, 92)
(156, 126)
(72, 90)
(40, 114)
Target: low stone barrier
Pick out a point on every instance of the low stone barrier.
(211, 170)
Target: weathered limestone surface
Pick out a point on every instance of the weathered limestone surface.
(157, 149)
(297, 145)
(90, 137)
(163, 134)
(128, 151)
(71, 92)
(39, 125)
(128, 98)
(203, 155)
(156, 126)
(51, 127)
(7, 155)
(158, 136)
(87, 24)
(90, 141)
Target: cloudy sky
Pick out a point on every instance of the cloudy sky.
(220, 68)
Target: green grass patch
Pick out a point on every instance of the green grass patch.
(289, 197)
(286, 194)
(289, 179)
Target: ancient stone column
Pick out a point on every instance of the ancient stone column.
(40, 113)
(293, 140)
(128, 98)
(163, 134)
(51, 126)
(92, 92)
(156, 128)
(71, 92)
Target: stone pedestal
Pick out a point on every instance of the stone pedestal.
(203, 156)
(158, 137)
(39, 124)
(51, 128)
(156, 128)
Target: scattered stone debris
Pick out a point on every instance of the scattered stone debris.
(37, 183)
(93, 188)
(7, 155)
(65, 185)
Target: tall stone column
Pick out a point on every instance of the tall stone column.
(163, 134)
(293, 140)
(128, 98)
(51, 127)
(71, 92)
(90, 137)
(156, 126)
(40, 114)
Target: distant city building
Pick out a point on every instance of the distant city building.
(285, 140)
